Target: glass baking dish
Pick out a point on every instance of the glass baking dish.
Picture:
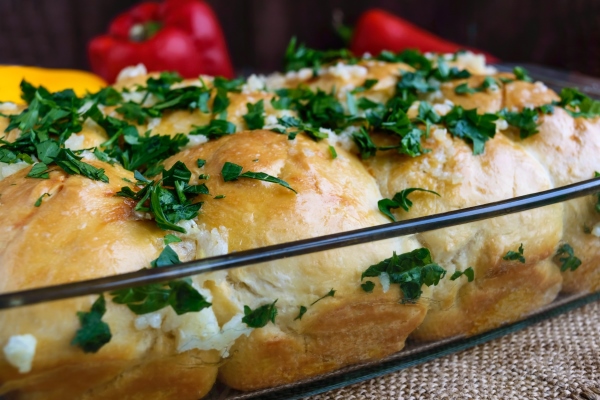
(414, 352)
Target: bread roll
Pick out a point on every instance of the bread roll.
(503, 291)
(82, 231)
(567, 147)
(334, 195)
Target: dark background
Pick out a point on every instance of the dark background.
(559, 33)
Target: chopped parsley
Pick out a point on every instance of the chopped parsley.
(515, 255)
(410, 271)
(301, 312)
(215, 129)
(568, 259)
(578, 104)
(368, 286)
(298, 56)
(261, 316)
(331, 293)
(526, 120)
(94, 333)
(400, 199)
(169, 200)
(255, 118)
(169, 238)
(303, 309)
(38, 202)
(232, 172)
(469, 273)
(521, 74)
(369, 83)
(488, 83)
(39, 170)
(167, 256)
(332, 152)
(471, 126)
(180, 295)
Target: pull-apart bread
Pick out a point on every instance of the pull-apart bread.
(157, 170)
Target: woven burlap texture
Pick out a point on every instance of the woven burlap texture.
(555, 359)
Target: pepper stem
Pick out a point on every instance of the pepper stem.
(144, 31)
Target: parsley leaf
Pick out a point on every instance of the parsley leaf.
(301, 312)
(261, 316)
(39, 170)
(332, 152)
(215, 129)
(168, 205)
(72, 164)
(521, 74)
(94, 333)
(400, 199)
(200, 163)
(410, 271)
(469, 273)
(569, 261)
(298, 56)
(331, 293)
(414, 58)
(578, 104)
(255, 118)
(169, 238)
(488, 83)
(526, 121)
(368, 286)
(180, 295)
(471, 127)
(232, 172)
(515, 256)
(38, 202)
(167, 257)
(365, 144)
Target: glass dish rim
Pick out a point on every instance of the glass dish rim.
(306, 246)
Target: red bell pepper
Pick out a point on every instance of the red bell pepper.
(378, 30)
(174, 35)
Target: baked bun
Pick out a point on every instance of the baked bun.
(503, 291)
(567, 147)
(83, 231)
(333, 195)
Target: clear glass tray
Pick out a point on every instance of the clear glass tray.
(413, 353)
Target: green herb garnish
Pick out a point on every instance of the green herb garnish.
(38, 202)
(471, 127)
(469, 273)
(331, 293)
(569, 261)
(410, 271)
(301, 312)
(180, 295)
(232, 172)
(514, 255)
(400, 199)
(261, 316)
(94, 333)
(255, 118)
(167, 257)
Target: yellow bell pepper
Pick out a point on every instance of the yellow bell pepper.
(52, 79)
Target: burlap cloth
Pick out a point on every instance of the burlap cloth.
(556, 359)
